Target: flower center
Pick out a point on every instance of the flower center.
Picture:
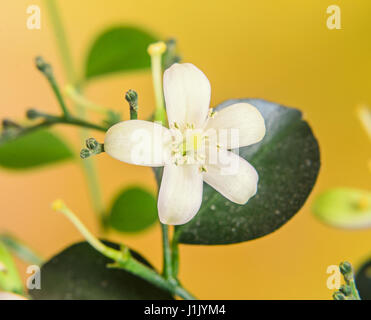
(188, 145)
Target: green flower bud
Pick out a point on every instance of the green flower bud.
(345, 267)
(85, 153)
(92, 144)
(338, 296)
(132, 97)
(346, 289)
(32, 114)
(42, 66)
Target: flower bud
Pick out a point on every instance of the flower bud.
(85, 153)
(345, 267)
(338, 296)
(346, 289)
(92, 144)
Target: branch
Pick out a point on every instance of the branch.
(48, 121)
(122, 258)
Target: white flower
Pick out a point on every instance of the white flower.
(194, 149)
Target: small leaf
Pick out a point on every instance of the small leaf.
(119, 49)
(133, 210)
(287, 161)
(363, 281)
(9, 276)
(33, 149)
(344, 208)
(80, 272)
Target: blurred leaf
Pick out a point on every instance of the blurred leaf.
(80, 272)
(133, 210)
(33, 149)
(344, 208)
(9, 277)
(287, 160)
(20, 249)
(363, 281)
(119, 49)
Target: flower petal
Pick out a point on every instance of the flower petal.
(187, 94)
(232, 176)
(180, 194)
(238, 125)
(138, 142)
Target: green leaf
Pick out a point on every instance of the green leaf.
(344, 208)
(287, 160)
(133, 210)
(10, 280)
(80, 272)
(119, 49)
(363, 281)
(32, 150)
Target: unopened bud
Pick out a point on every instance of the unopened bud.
(345, 267)
(92, 144)
(43, 66)
(338, 296)
(85, 153)
(32, 114)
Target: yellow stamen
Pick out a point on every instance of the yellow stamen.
(157, 48)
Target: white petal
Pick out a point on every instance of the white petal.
(238, 125)
(180, 194)
(187, 94)
(138, 142)
(232, 176)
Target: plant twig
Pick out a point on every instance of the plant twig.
(167, 271)
(49, 120)
(122, 258)
(47, 70)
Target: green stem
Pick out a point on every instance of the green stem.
(51, 120)
(80, 100)
(353, 287)
(167, 264)
(61, 38)
(156, 50)
(88, 164)
(175, 253)
(123, 259)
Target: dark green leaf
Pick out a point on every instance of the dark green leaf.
(363, 281)
(287, 160)
(80, 272)
(33, 149)
(133, 210)
(119, 49)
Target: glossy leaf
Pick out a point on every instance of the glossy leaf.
(287, 160)
(344, 208)
(363, 281)
(33, 149)
(118, 49)
(80, 272)
(133, 210)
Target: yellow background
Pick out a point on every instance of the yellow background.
(279, 50)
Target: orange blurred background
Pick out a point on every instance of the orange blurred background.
(276, 50)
